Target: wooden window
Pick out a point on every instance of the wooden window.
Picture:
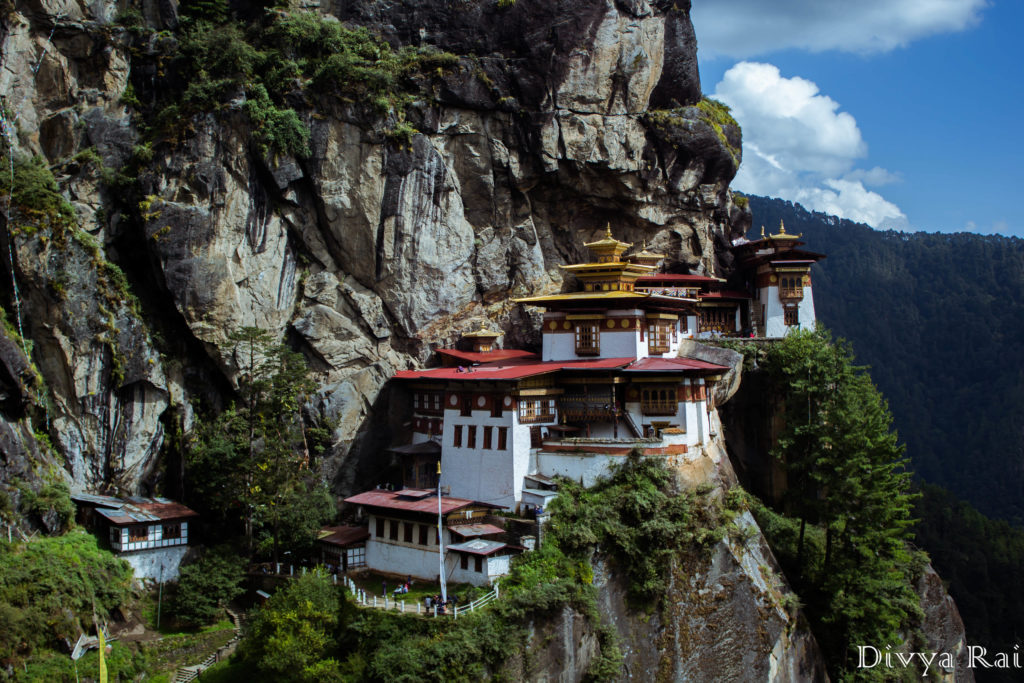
(407, 529)
(487, 438)
(478, 564)
(471, 436)
(502, 438)
(588, 339)
(465, 562)
(466, 405)
(380, 528)
(791, 315)
(683, 322)
(659, 401)
(137, 534)
(536, 411)
(172, 531)
(496, 405)
(658, 337)
(423, 534)
(791, 287)
(393, 529)
(457, 436)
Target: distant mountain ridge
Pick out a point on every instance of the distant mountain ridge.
(940, 320)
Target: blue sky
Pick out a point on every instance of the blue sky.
(898, 113)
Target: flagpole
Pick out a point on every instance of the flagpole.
(440, 537)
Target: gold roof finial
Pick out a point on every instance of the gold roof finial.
(782, 227)
(608, 230)
(762, 232)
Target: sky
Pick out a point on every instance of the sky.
(902, 114)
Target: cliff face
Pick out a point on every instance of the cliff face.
(365, 252)
(556, 119)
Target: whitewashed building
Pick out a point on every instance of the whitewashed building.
(608, 381)
(151, 534)
(779, 273)
(403, 536)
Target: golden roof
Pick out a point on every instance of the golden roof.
(644, 254)
(609, 244)
(781, 234)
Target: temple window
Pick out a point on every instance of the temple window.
(659, 401)
(588, 339)
(658, 337)
(791, 316)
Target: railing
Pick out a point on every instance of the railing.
(364, 600)
(527, 418)
(797, 293)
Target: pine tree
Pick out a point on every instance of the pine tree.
(253, 463)
(847, 475)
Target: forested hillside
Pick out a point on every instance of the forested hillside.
(940, 320)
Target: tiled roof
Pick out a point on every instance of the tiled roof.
(142, 510)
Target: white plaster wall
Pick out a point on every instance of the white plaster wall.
(147, 564)
(585, 467)
(775, 325)
(488, 476)
(807, 319)
(492, 568)
(393, 557)
(520, 444)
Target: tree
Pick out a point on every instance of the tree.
(295, 636)
(207, 586)
(253, 463)
(848, 476)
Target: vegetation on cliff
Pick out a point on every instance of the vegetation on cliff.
(52, 588)
(939, 318)
(844, 539)
(252, 467)
(635, 517)
(279, 64)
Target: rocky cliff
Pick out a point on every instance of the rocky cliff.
(391, 231)
(554, 120)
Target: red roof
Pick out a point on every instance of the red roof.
(487, 356)
(726, 294)
(393, 500)
(343, 535)
(513, 369)
(673, 365)
(468, 530)
(674, 277)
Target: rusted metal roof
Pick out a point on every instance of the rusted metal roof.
(145, 510)
(343, 535)
(392, 500)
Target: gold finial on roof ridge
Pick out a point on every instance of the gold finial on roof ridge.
(762, 232)
(782, 227)
(608, 230)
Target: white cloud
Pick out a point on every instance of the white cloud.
(799, 146)
(875, 177)
(744, 28)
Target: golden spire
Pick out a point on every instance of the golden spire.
(782, 227)
(608, 230)
(762, 232)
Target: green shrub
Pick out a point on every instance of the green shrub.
(207, 586)
(50, 588)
